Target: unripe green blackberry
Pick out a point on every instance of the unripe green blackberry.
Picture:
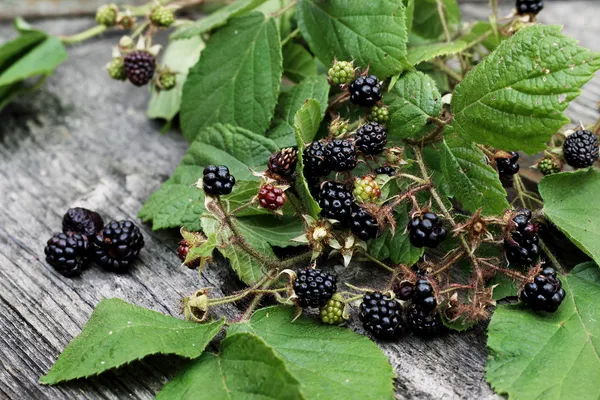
(366, 189)
(341, 73)
(116, 69)
(549, 166)
(107, 15)
(332, 313)
(339, 127)
(167, 80)
(162, 16)
(381, 115)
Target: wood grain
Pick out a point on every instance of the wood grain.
(84, 140)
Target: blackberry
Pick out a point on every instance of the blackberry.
(341, 73)
(423, 322)
(335, 201)
(381, 115)
(140, 66)
(366, 189)
(545, 293)
(426, 230)
(423, 295)
(162, 16)
(529, 6)
(340, 155)
(116, 69)
(314, 287)
(284, 161)
(371, 138)
(271, 197)
(315, 163)
(386, 170)
(167, 80)
(118, 245)
(83, 221)
(217, 180)
(107, 15)
(67, 253)
(581, 149)
(404, 290)
(339, 127)
(380, 315)
(332, 313)
(182, 251)
(549, 166)
(362, 224)
(522, 246)
(508, 166)
(365, 91)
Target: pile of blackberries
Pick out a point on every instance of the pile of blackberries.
(85, 238)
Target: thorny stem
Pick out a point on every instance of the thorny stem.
(376, 261)
(242, 207)
(507, 272)
(454, 287)
(448, 264)
(256, 301)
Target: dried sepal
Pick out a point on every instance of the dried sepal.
(195, 307)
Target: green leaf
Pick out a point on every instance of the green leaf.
(483, 32)
(396, 248)
(12, 51)
(204, 250)
(282, 131)
(119, 333)
(417, 55)
(571, 203)
(427, 22)
(245, 368)
(474, 183)
(248, 268)
(410, 11)
(514, 98)
(179, 56)
(277, 231)
(307, 120)
(237, 78)
(40, 60)
(217, 18)
(329, 362)
(178, 202)
(412, 101)
(549, 356)
(298, 63)
(371, 32)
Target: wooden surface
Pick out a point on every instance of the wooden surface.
(84, 140)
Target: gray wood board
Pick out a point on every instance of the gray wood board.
(84, 140)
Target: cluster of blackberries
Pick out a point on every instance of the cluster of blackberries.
(426, 230)
(580, 149)
(85, 238)
(529, 6)
(545, 293)
(522, 245)
(217, 180)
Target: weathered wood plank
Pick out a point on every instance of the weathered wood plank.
(85, 140)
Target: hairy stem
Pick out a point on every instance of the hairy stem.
(88, 34)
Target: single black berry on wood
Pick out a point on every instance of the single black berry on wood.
(371, 138)
(380, 315)
(217, 180)
(140, 66)
(522, 246)
(423, 322)
(529, 6)
(67, 253)
(118, 245)
(581, 149)
(315, 163)
(365, 91)
(336, 201)
(284, 161)
(362, 224)
(426, 230)
(81, 220)
(314, 287)
(341, 155)
(545, 293)
(386, 170)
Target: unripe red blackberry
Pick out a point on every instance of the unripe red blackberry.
(366, 189)
(140, 66)
(182, 251)
(271, 197)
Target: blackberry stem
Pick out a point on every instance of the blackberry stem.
(376, 261)
(553, 260)
(85, 35)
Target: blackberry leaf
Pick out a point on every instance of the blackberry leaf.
(298, 63)
(515, 97)
(426, 20)
(419, 54)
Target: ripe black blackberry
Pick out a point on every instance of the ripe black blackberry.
(140, 66)
(67, 253)
(380, 315)
(529, 6)
(118, 245)
(284, 161)
(423, 322)
(336, 201)
(386, 170)
(581, 149)
(371, 138)
(365, 91)
(315, 163)
(424, 296)
(545, 293)
(508, 166)
(217, 180)
(83, 221)
(314, 287)
(426, 230)
(362, 224)
(522, 246)
(341, 155)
